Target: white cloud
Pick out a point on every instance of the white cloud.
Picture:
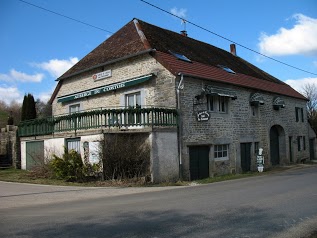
(301, 39)
(179, 12)
(46, 95)
(16, 76)
(57, 67)
(9, 94)
(298, 84)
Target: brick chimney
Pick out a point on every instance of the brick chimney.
(233, 49)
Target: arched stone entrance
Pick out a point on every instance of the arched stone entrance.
(277, 145)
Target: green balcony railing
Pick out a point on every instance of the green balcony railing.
(101, 118)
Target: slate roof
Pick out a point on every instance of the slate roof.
(139, 37)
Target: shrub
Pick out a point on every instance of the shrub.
(126, 156)
(70, 167)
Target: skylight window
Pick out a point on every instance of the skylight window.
(180, 56)
(227, 69)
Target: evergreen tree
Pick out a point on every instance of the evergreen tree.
(28, 108)
(24, 108)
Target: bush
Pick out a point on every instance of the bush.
(70, 167)
(126, 156)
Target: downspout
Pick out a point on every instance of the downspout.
(180, 86)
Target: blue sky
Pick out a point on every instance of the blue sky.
(37, 46)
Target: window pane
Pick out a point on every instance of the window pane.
(133, 100)
(138, 100)
(74, 108)
(73, 145)
(210, 103)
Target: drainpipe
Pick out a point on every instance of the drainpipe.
(179, 87)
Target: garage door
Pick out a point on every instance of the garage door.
(34, 153)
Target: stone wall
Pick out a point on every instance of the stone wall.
(239, 125)
(163, 82)
(9, 147)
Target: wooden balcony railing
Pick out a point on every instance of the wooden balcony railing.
(103, 118)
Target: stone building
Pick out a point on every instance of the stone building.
(204, 111)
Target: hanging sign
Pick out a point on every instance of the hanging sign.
(203, 116)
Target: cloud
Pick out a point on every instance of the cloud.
(298, 84)
(45, 95)
(57, 67)
(9, 94)
(16, 76)
(301, 39)
(179, 12)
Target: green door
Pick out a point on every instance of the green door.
(199, 162)
(274, 146)
(34, 153)
(245, 149)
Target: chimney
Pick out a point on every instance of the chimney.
(233, 49)
(184, 33)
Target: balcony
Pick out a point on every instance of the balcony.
(124, 118)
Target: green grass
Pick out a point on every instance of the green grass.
(227, 177)
(23, 176)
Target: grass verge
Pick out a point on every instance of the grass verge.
(23, 176)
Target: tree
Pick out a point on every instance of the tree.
(10, 119)
(12, 110)
(43, 109)
(28, 108)
(310, 92)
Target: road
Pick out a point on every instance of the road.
(279, 205)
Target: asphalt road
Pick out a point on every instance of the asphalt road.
(278, 205)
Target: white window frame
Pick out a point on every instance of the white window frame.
(73, 144)
(221, 152)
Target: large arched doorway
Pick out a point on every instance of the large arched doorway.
(277, 144)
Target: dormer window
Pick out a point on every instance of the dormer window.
(180, 56)
(227, 69)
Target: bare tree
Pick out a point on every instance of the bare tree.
(310, 92)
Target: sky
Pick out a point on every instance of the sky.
(37, 45)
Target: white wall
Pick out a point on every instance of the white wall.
(53, 146)
(23, 155)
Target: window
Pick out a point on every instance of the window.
(180, 56)
(296, 114)
(304, 143)
(299, 114)
(256, 148)
(73, 144)
(217, 103)
(74, 108)
(227, 69)
(221, 151)
(133, 100)
(210, 103)
(254, 111)
(222, 103)
(298, 143)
